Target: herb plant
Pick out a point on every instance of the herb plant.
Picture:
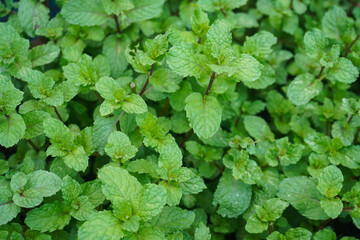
(179, 119)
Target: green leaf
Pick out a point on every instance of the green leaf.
(343, 71)
(332, 206)
(258, 128)
(44, 54)
(233, 196)
(10, 97)
(284, 152)
(165, 80)
(325, 234)
(77, 158)
(254, 225)
(134, 104)
(102, 225)
(42, 87)
(119, 186)
(152, 201)
(317, 142)
(199, 22)
(86, 71)
(330, 181)
(204, 114)
(84, 13)
(302, 194)
(70, 188)
(102, 129)
(32, 15)
(8, 209)
(144, 9)
(242, 167)
(202, 232)
(259, 45)
(315, 41)
(185, 61)
(117, 6)
(34, 123)
(30, 191)
(157, 46)
(62, 145)
(335, 22)
(298, 234)
(266, 78)
(147, 231)
(344, 131)
(303, 88)
(114, 50)
(218, 35)
(172, 219)
(13, 56)
(49, 217)
(119, 147)
(12, 129)
(271, 210)
(348, 157)
(212, 5)
(248, 69)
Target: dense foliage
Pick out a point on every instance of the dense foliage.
(154, 119)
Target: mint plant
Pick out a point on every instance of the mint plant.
(179, 119)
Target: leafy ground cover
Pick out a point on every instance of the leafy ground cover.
(171, 120)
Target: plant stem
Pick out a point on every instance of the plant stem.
(165, 107)
(32, 144)
(187, 136)
(58, 114)
(356, 137)
(117, 24)
(348, 49)
(218, 167)
(147, 81)
(320, 73)
(210, 83)
(348, 209)
(327, 127)
(223, 12)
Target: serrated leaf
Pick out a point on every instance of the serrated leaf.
(334, 22)
(330, 181)
(315, 41)
(332, 206)
(32, 15)
(152, 201)
(204, 114)
(259, 45)
(185, 61)
(233, 196)
(102, 225)
(343, 71)
(43, 54)
(145, 9)
(202, 232)
(49, 217)
(134, 104)
(84, 13)
(119, 185)
(302, 194)
(119, 147)
(303, 88)
(172, 219)
(258, 128)
(12, 129)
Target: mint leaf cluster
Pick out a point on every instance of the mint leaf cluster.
(179, 119)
